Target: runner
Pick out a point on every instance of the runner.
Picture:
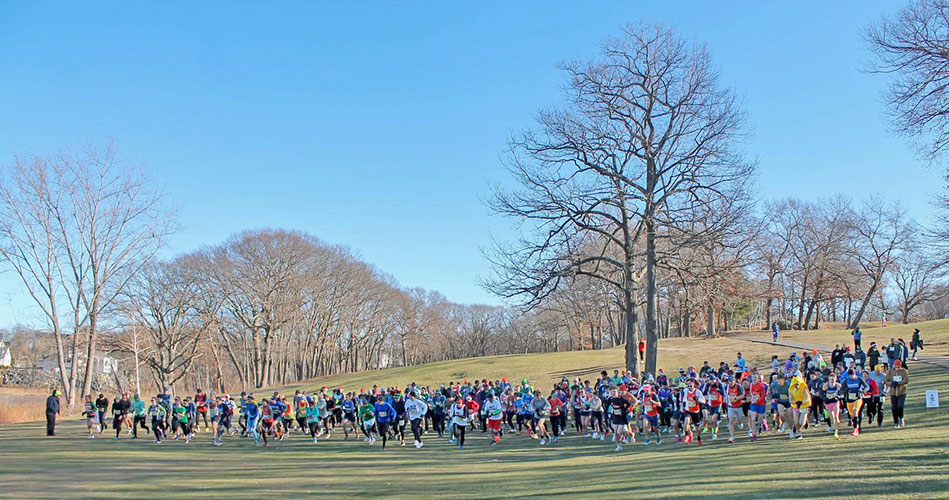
(267, 420)
(832, 391)
(120, 411)
(384, 416)
(158, 414)
(415, 410)
(367, 415)
(311, 414)
(854, 388)
(495, 417)
(138, 412)
(252, 412)
(692, 401)
(348, 407)
(800, 398)
(541, 409)
(735, 396)
(92, 416)
(184, 422)
(652, 407)
(897, 380)
(557, 411)
(716, 398)
(201, 404)
(102, 406)
(224, 412)
(439, 400)
(780, 400)
(459, 415)
(400, 417)
(618, 408)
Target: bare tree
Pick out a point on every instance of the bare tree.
(918, 277)
(644, 142)
(914, 48)
(75, 228)
(879, 231)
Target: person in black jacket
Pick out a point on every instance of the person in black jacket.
(836, 356)
(120, 411)
(102, 407)
(52, 410)
(873, 356)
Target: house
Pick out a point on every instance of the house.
(6, 357)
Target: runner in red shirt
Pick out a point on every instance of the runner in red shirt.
(715, 401)
(735, 395)
(556, 407)
(651, 408)
(759, 401)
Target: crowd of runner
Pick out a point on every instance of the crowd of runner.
(799, 394)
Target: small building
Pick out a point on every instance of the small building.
(6, 357)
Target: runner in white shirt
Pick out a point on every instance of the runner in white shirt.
(459, 415)
(416, 409)
(492, 408)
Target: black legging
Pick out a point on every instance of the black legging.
(897, 403)
(523, 420)
(400, 428)
(417, 429)
(314, 427)
(438, 423)
(460, 432)
(555, 424)
(383, 428)
(139, 419)
(158, 428)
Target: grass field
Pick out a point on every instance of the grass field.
(881, 463)
(935, 335)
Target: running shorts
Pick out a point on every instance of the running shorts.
(735, 412)
(494, 425)
(714, 410)
(759, 409)
(696, 416)
(653, 421)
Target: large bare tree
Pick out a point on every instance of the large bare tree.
(644, 144)
(75, 228)
(879, 231)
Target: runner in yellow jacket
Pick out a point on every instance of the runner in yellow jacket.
(800, 397)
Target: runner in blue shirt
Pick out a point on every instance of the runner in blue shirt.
(385, 414)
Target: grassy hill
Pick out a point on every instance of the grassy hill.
(881, 463)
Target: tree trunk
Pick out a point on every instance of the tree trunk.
(855, 322)
(710, 331)
(767, 313)
(632, 336)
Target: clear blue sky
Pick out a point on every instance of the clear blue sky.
(379, 126)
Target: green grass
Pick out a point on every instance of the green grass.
(881, 463)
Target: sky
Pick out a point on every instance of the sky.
(380, 125)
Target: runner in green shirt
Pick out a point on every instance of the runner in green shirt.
(368, 419)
